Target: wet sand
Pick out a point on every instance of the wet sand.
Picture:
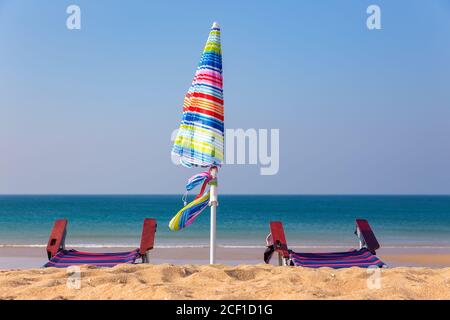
(36, 257)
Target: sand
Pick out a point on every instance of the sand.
(184, 274)
(167, 281)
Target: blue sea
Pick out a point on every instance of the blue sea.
(243, 221)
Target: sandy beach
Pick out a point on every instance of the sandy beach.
(166, 281)
(183, 274)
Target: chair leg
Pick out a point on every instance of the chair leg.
(146, 257)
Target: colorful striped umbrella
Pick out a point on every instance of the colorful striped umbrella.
(199, 141)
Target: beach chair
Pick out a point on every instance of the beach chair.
(363, 257)
(60, 257)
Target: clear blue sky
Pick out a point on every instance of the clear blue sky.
(359, 111)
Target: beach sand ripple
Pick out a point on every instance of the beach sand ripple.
(166, 281)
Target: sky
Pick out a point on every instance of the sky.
(359, 111)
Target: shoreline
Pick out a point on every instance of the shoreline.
(233, 246)
(15, 257)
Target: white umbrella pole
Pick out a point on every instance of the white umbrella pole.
(213, 203)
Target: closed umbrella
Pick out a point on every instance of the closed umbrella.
(200, 138)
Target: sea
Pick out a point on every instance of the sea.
(242, 220)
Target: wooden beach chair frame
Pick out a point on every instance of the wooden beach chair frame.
(56, 241)
(276, 241)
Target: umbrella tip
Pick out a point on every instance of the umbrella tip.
(215, 25)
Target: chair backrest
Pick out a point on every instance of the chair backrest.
(366, 235)
(148, 235)
(57, 237)
(278, 238)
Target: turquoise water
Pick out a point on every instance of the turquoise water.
(398, 221)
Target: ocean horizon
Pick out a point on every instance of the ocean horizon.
(399, 221)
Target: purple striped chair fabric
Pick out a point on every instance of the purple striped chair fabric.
(354, 258)
(67, 258)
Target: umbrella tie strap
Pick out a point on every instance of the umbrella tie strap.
(191, 210)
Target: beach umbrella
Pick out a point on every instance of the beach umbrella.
(200, 138)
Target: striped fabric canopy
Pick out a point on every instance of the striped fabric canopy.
(67, 258)
(354, 258)
(199, 141)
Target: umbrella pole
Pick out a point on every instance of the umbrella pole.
(213, 203)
